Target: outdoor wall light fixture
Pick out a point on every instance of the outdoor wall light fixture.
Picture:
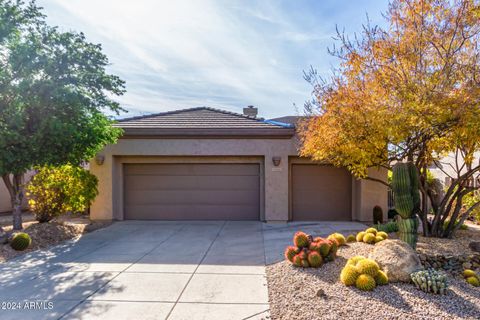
(99, 159)
(276, 161)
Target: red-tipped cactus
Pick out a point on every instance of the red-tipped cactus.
(305, 263)
(310, 252)
(301, 240)
(304, 253)
(290, 252)
(325, 247)
(314, 246)
(315, 259)
(334, 246)
(333, 250)
(297, 260)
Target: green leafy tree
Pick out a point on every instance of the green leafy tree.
(54, 89)
(57, 190)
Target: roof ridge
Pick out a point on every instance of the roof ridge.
(192, 109)
(235, 114)
(160, 114)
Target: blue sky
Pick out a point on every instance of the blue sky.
(178, 54)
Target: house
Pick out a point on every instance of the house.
(205, 164)
(5, 202)
(452, 166)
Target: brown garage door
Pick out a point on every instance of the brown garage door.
(321, 192)
(192, 191)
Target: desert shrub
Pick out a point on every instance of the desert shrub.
(462, 227)
(56, 190)
(468, 201)
(388, 227)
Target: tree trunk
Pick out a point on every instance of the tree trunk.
(15, 189)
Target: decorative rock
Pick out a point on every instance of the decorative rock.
(3, 236)
(321, 293)
(397, 259)
(467, 265)
(474, 246)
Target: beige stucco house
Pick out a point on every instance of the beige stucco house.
(204, 163)
(5, 202)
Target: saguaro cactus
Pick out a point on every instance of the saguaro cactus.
(405, 183)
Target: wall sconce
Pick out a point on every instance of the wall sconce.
(99, 159)
(276, 161)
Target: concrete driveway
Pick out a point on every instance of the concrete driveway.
(153, 270)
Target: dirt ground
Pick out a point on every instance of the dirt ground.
(47, 234)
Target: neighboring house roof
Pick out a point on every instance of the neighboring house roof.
(202, 121)
(292, 120)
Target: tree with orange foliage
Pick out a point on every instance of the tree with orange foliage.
(410, 91)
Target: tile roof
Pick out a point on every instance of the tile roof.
(202, 117)
(202, 121)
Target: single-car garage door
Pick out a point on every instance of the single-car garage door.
(192, 191)
(320, 192)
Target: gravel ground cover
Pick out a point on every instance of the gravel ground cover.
(297, 293)
(457, 245)
(48, 234)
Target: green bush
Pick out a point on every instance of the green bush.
(20, 241)
(388, 227)
(469, 200)
(57, 190)
(462, 227)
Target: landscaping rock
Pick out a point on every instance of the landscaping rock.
(452, 264)
(3, 237)
(474, 246)
(397, 259)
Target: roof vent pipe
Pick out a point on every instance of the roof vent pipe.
(250, 111)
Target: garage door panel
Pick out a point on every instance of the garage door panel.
(192, 169)
(321, 192)
(192, 191)
(158, 182)
(171, 197)
(196, 212)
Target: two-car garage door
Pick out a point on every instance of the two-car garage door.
(192, 191)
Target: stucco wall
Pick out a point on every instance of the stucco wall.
(5, 204)
(370, 194)
(275, 199)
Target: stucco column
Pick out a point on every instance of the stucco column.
(370, 194)
(102, 207)
(276, 188)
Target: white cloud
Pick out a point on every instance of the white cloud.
(182, 53)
